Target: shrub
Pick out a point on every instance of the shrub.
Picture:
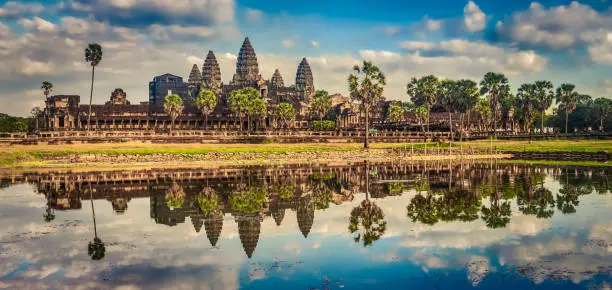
(325, 125)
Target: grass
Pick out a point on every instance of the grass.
(28, 155)
(558, 163)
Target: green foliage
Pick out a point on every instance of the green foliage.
(208, 204)
(93, 54)
(284, 114)
(249, 200)
(173, 106)
(395, 113)
(466, 95)
(47, 88)
(321, 197)
(526, 105)
(394, 188)
(497, 89)
(322, 176)
(175, 196)
(321, 103)
(15, 124)
(96, 249)
(424, 91)
(367, 223)
(484, 110)
(419, 113)
(325, 125)
(206, 101)
(257, 108)
(285, 192)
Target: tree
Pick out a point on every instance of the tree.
(93, 55)
(321, 104)
(238, 104)
(173, 106)
(484, 112)
(257, 109)
(568, 98)
(544, 95)
(47, 88)
(526, 102)
(284, 113)
(253, 106)
(466, 96)
(206, 101)
(369, 216)
(419, 113)
(602, 107)
(424, 91)
(366, 86)
(495, 86)
(36, 112)
(395, 113)
(447, 98)
(95, 249)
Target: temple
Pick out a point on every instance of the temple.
(63, 112)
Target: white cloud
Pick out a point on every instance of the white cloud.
(19, 9)
(37, 24)
(288, 43)
(391, 30)
(417, 45)
(254, 15)
(434, 25)
(314, 44)
(474, 18)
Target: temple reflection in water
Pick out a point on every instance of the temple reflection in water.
(441, 192)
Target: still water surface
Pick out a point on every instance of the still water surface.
(422, 226)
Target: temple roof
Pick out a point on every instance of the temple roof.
(213, 227)
(247, 69)
(277, 80)
(194, 76)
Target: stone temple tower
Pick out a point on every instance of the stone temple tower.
(247, 69)
(304, 82)
(195, 79)
(277, 80)
(211, 74)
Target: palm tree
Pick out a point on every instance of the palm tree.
(602, 108)
(47, 88)
(484, 112)
(447, 98)
(395, 113)
(320, 105)
(366, 87)
(93, 55)
(526, 103)
(544, 95)
(258, 109)
(239, 102)
(567, 98)
(173, 106)
(284, 113)
(496, 87)
(466, 96)
(424, 91)
(252, 105)
(206, 101)
(369, 216)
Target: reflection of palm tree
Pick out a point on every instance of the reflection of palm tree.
(369, 216)
(497, 215)
(423, 209)
(541, 203)
(95, 249)
(567, 200)
(49, 214)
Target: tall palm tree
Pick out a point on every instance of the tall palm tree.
(567, 97)
(447, 98)
(526, 103)
(466, 96)
(320, 105)
(424, 91)
(369, 216)
(47, 88)
(284, 113)
(93, 56)
(173, 106)
(496, 87)
(367, 86)
(602, 108)
(544, 95)
(206, 101)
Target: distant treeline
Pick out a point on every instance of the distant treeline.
(16, 124)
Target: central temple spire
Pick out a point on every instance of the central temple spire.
(247, 69)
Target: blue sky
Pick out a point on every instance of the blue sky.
(562, 41)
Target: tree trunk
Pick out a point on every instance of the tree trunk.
(450, 126)
(495, 122)
(428, 109)
(248, 123)
(542, 122)
(172, 126)
(205, 122)
(366, 145)
(566, 116)
(601, 126)
(462, 129)
(93, 212)
(321, 123)
(93, 68)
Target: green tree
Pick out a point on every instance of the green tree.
(367, 222)
(206, 101)
(395, 113)
(484, 112)
(526, 102)
(602, 107)
(544, 95)
(175, 196)
(567, 98)
(466, 96)
(173, 106)
(424, 91)
(47, 88)
(36, 113)
(284, 114)
(93, 56)
(254, 105)
(447, 98)
(424, 209)
(495, 86)
(321, 104)
(419, 113)
(257, 109)
(238, 103)
(366, 86)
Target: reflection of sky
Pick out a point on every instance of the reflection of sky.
(566, 251)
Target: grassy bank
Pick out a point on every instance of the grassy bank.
(558, 163)
(32, 155)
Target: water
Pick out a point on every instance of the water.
(422, 226)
